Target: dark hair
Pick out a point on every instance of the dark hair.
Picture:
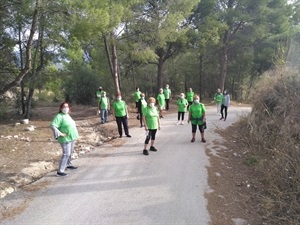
(62, 104)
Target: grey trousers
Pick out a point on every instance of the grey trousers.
(67, 151)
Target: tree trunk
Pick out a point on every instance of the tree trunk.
(223, 67)
(160, 74)
(200, 75)
(29, 103)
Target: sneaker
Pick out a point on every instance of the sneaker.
(120, 136)
(177, 123)
(203, 140)
(152, 149)
(59, 174)
(193, 139)
(145, 152)
(72, 167)
(128, 135)
(182, 123)
(221, 118)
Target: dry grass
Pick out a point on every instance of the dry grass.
(271, 135)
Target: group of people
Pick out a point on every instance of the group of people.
(65, 131)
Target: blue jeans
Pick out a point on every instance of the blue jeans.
(103, 115)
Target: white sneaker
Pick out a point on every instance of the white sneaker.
(177, 123)
(182, 123)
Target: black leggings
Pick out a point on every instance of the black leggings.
(182, 116)
(120, 121)
(194, 128)
(167, 104)
(151, 134)
(223, 107)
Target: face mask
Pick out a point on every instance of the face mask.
(65, 110)
(151, 104)
(119, 98)
(142, 98)
(181, 97)
(196, 101)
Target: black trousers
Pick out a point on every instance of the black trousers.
(223, 108)
(167, 103)
(120, 121)
(182, 115)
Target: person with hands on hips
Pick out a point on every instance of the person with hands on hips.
(197, 117)
(152, 123)
(121, 115)
(65, 131)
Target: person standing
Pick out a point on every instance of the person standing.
(65, 131)
(190, 96)
(152, 123)
(121, 115)
(182, 104)
(103, 107)
(167, 94)
(225, 105)
(197, 117)
(141, 105)
(99, 93)
(161, 102)
(137, 96)
(218, 100)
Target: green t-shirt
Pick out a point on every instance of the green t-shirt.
(167, 93)
(197, 111)
(182, 105)
(190, 96)
(143, 104)
(161, 99)
(137, 96)
(119, 108)
(65, 124)
(151, 117)
(104, 102)
(218, 98)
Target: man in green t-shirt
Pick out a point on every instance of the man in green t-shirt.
(152, 123)
(182, 104)
(103, 107)
(137, 96)
(218, 100)
(161, 102)
(198, 118)
(190, 97)
(167, 94)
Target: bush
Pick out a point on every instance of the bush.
(273, 137)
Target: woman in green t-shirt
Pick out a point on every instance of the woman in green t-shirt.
(120, 112)
(161, 102)
(197, 118)
(65, 131)
(190, 97)
(152, 123)
(182, 104)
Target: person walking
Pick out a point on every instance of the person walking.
(182, 104)
(152, 123)
(161, 102)
(218, 100)
(225, 105)
(141, 105)
(103, 107)
(167, 94)
(65, 131)
(121, 115)
(137, 96)
(190, 97)
(197, 117)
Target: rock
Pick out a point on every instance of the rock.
(25, 121)
(31, 128)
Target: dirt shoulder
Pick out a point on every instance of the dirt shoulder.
(28, 155)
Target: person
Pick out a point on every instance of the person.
(137, 96)
(182, 104)
(141, 105)
(161, 102)
(197, 117)
(190, 97)
(65, 131)
(167, 94)
(152, 123)
(225, 105)
(121, 115)
(103, 107)
(218, 100)
(99, 93)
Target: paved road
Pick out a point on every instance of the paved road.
(121, 186)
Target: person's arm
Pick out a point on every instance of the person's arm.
(56, 132)
(204, 117)
(126, 110)
(158, 121)
(189, 117)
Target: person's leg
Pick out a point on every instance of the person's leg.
(225, 109)
(105, 116)
(178, 118)
(145, 151)
(141, 118)
(119, 123)
(182, 118)
(125, 125)
(102, 112)
(66, 153)
(222, 109)
(153, 133)
(167, 104)
(194, 128)
(201, 129)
